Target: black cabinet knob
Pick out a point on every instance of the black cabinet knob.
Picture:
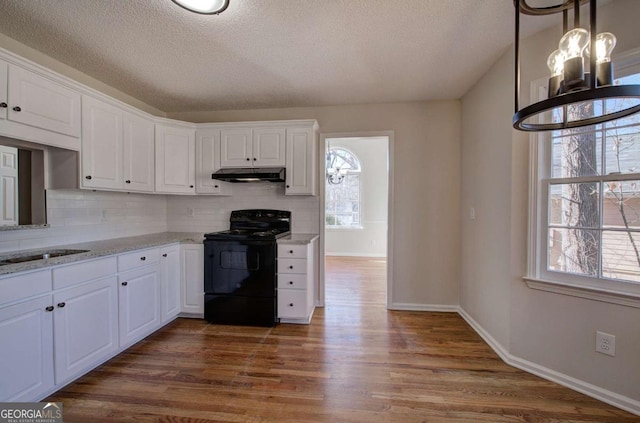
(215, 186)
(290, 251)
(288, 186)
(290, 267)
(143, 258)
(88, 177)
(17, 109)
(127, 181)
(254, 159)
(248, 159)
(61, 305)
(290, 282)
(190, 186)
(49, 308)
(3, 105)
(290, 304)
(124, 283)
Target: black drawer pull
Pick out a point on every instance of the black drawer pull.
(164, 255)
(61, 305)
(3, 105)
(88, 177)
(17, 109)
(127, 181)
(143, 258)
(124, 283)
(49, 308)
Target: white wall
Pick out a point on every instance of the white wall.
(81, 215)
(426, 187)
(370, 240)
(551, 334)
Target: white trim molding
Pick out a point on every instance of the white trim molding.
(423, 307)
(615, 297)
(620, 401)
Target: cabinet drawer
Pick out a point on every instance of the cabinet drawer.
(15, 288)
(292, 251)
(292, 303)
(286, 265)
(76, 273)
(138, 258)
(292, 281)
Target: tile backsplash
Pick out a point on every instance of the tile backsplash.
(80, 215)
(211, 213)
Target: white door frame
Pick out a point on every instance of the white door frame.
(322, 146)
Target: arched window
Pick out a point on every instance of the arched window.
(342, 208)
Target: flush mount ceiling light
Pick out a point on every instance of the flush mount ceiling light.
(204, 7)
(577, 95)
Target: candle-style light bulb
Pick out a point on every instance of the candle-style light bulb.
(605, 42)
(555, 62)
(573, 45)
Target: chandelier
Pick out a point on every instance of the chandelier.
(575, 93)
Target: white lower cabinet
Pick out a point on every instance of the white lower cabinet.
(297, 272)
(192, 280)
(170, 277)
(85, 324)
(26, 356)
(139, 303)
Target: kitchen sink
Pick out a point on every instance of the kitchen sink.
(40, 256)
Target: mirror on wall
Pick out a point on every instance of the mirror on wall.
(22, 186)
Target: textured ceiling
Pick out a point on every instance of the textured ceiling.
(270, 53)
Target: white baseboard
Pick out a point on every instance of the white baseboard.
(371, 255)
(423, 307)
(604, 395)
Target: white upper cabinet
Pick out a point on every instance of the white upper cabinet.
(117, 148)
(252, 147)
(301, 161)
(101, 145)
(4, 100)
(175, 159)
(207, 162)
(8, 186)
(139, 158)
(37, 108)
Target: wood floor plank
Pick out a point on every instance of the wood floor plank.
(356, 362)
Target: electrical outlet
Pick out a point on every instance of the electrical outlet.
(606, 343)
(189, 212)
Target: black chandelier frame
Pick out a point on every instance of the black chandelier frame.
(522, 117)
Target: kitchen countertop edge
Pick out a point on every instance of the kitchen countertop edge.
(99, 249)
(298, 238)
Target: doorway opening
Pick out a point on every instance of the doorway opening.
(356, 200)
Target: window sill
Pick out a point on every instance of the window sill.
(608, 296)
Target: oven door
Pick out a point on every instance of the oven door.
(243, 268)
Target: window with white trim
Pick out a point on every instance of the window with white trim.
(587, 204)
(342, 205)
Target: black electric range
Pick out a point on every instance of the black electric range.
(240, 268)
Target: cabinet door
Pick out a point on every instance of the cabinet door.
(138, 145)
(236, 147)
(207, 162)
(26, 356)
(101, 145)
(4, 100)
(40, 102)
(170, 266)
(8, 186)
(268, 147)
(193, 279)
(175, 160)
(139, 303)
(301, 162)
(86, 327)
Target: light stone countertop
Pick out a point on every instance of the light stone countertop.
(97, 249)
(298, 238)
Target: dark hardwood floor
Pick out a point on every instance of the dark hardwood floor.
(356, 362)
